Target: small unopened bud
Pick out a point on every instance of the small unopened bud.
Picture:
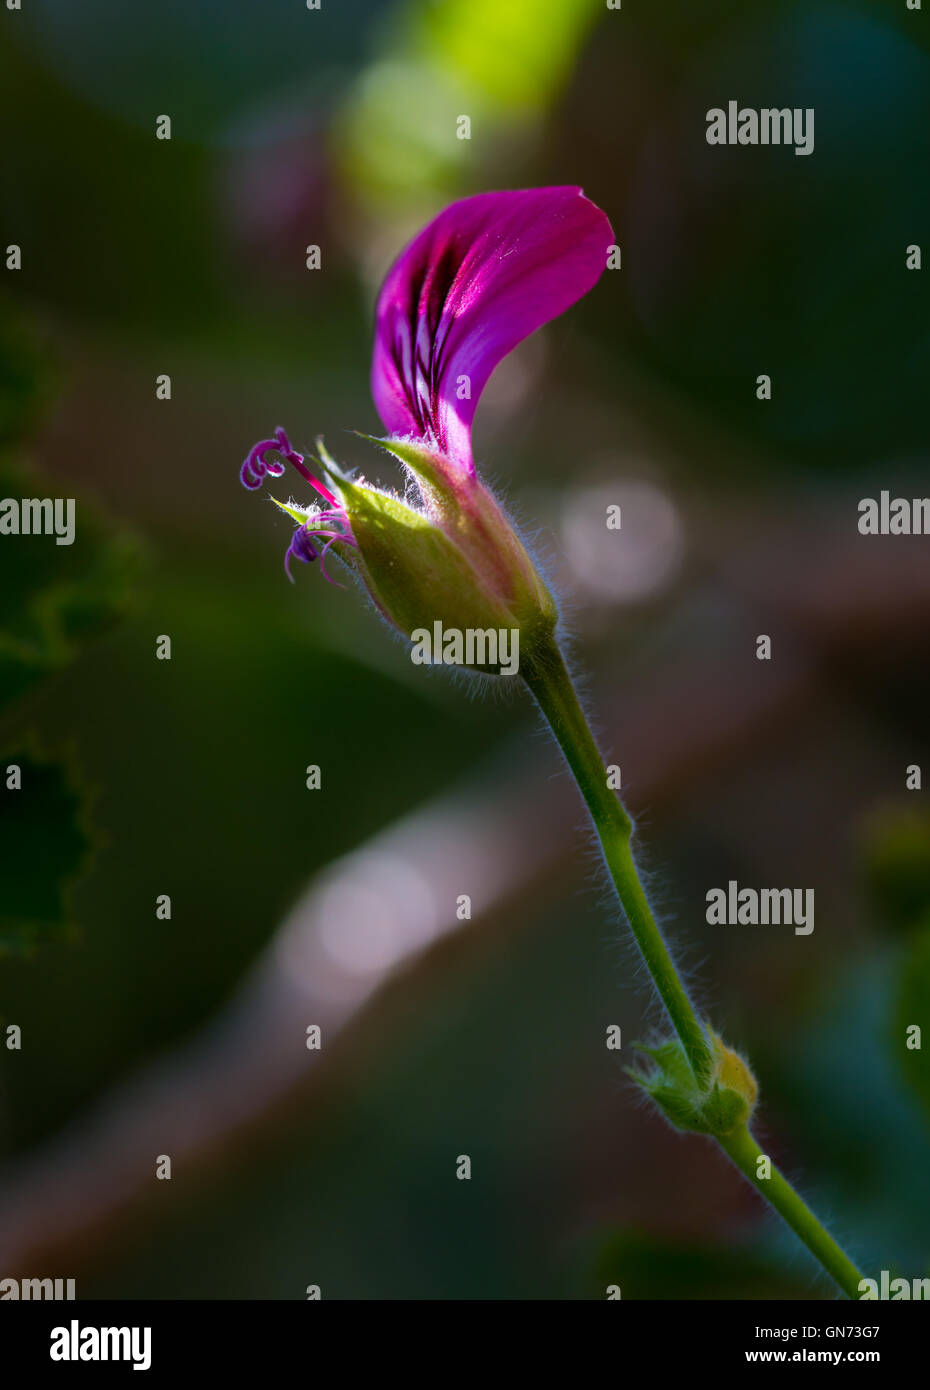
(456, 560)
(723, 1104)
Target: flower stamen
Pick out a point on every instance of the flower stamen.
(268, 457)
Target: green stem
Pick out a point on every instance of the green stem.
(743, 1150)
(547, 678)
(552, 687)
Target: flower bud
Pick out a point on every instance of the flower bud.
(724, 1104)
(456, 561)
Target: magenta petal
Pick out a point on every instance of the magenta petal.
(484, 274)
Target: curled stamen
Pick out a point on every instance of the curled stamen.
(269, 456)
(303, 546)
(350, 540)
(256, 466)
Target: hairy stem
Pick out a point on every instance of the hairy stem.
(547, 678)
(552, 687)
(743, 1150)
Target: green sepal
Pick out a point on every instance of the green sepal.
(722, 1105)
(416, 574)
(329, 464)
(295, 513)
(428, 468)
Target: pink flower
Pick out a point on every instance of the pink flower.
(480, 278)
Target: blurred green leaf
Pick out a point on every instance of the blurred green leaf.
(478, 43)
(896, 855)
(55, 597)
(646, 1266)
(397, 133)
(22, 369)
(912, 1004)
(46, 842)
